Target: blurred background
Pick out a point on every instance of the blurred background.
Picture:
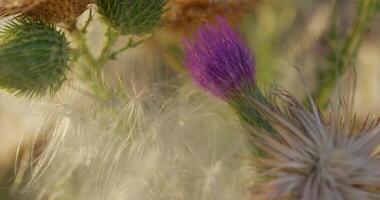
(282, 33)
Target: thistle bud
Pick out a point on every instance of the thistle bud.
(132, 16)
(33, 58)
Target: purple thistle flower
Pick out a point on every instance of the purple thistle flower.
(218, 59)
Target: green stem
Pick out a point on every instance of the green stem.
(92, 66)
(81, 42)
(131, 44)
(112, 37)
(329, 77)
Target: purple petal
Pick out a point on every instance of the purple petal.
(218, 59)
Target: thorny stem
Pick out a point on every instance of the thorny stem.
(93, 67)
(131, 44)
(329, 77)
(93, 74)
(112, 37)
(80, 40)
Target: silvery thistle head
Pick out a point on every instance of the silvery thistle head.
(311, 158)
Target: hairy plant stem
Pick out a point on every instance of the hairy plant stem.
(111, 38)
(92, 67)
(329, 77)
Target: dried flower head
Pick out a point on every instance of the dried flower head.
(59, 11)
(12, 7)
(55, 11)
(311, 158)
(218, 60)
(34, 58)
(185, 15)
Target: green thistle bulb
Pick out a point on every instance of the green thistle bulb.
(33, 58)
(132, 16)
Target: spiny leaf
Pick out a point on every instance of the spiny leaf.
(34, 57)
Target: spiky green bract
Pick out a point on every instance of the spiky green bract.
(34, 57)
(136, 17)
(248, 113)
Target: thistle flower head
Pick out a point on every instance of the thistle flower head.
(34, 58)
(312, 158)
(218, 60)
(132, 16)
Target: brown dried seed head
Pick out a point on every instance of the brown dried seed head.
(186, 15)
(12, 7)
(59, 11)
